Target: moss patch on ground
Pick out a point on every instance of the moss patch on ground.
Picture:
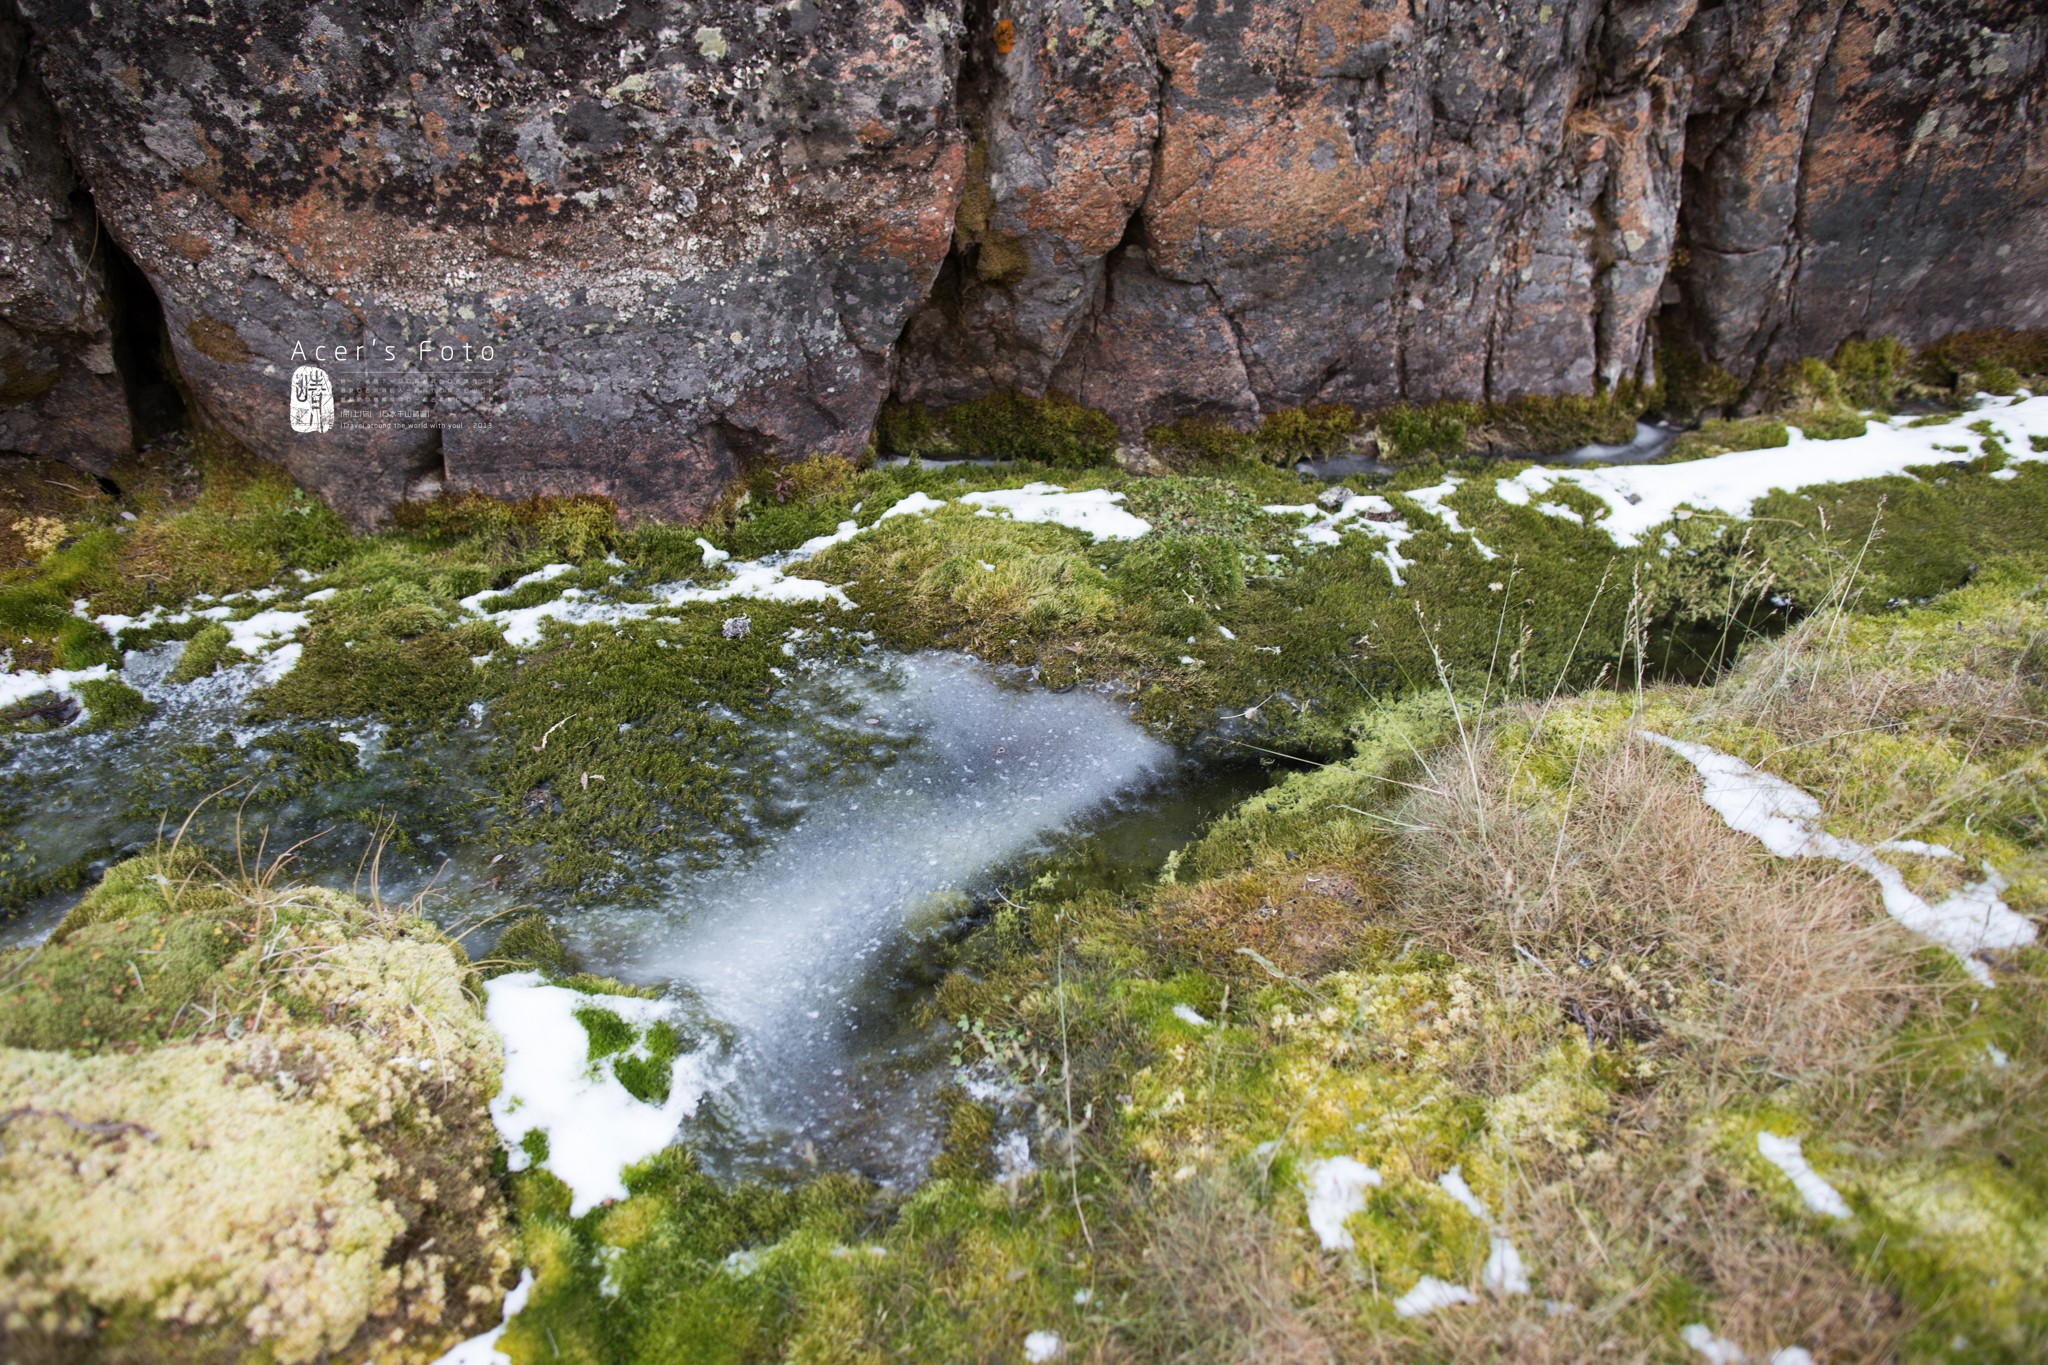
(1503, 940)
(245, 1121)
(1482, 929)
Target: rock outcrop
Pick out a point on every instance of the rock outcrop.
(696, 235)
(573, 248)
(60, 396)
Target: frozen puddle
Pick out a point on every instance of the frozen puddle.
(802, 953)
(1786, 821)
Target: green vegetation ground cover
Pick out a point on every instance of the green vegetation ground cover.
(608, 743)
(1600, 1085)
(1582, 1053)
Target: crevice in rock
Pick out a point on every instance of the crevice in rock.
(428, 478)
(1796, 231)
(1244, 358)
(972, 90)
(749, 450)
(141, 342)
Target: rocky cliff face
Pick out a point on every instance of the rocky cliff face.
(694, 235)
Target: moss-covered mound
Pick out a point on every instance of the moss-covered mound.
(244, 1122)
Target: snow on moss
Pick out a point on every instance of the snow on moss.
(1336, 1189)
(1094, 511)
(594, 1126)
(1785, 1154)
(1641, 497)
(1786, 821)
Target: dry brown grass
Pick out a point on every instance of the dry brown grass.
(1218, 1281)
(1613, 1244)
(1630, 904)
(1305, 922)
(1984, 675)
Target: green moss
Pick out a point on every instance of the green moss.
(204, 653)
(1808, 385)
(531, 944)
(1983, 358)
(1554, 424)
(906, 429)
(1930, 534)
(1693, 386)
(1053, 430)
(113, 704)
(968, 1153)
(239, 1046)
(1232, 508)
(1282, 438)
(248, 525)
(1837, 425)
(387, 654)
(2002, 380)
(546, 528)
(1202, 440)
(609, 744)
(1721, 436)
(700, 1272)
(1871, 373)
(40, 631)
(641, 1056)
(1408, 435)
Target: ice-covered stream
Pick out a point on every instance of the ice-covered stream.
(804, 952)
(906, 789)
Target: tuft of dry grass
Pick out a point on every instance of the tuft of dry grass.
(1627, 902)
(1665, 1234)
(1306, 922)
(1217, 1281)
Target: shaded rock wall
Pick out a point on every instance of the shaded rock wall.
(687, 234)
(60, 395)
(700, 234)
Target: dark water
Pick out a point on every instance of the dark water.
(803, 959)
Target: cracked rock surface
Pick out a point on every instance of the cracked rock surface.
(700, 235)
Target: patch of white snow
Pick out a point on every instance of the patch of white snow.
(483, 1348)
(264, 628)
(1504, 1273)
(1640, 497)
(1786, 821)
(1430, 1294)
(1093, 511)
(595, 1127)
(917, 504)
(17, 687)
(1717, 1350)
(545, 574)
(1041, 1346)
(1785, 1154)
(1336, 1189)
(1367, 512)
